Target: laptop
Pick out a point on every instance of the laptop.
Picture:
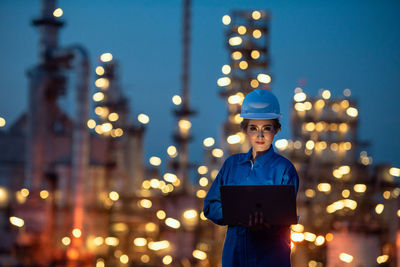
(277, 202)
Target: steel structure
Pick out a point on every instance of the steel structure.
(341, 198)
(182, 136)
(247, 40)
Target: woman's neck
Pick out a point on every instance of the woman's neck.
(256, 154)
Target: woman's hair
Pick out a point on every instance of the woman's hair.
(245, 123)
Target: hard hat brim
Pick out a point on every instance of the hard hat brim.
(260, 116)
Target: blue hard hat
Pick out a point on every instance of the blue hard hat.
(260, 104)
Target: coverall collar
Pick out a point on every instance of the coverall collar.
(261, 159)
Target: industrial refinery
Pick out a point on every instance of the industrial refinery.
(76, 189)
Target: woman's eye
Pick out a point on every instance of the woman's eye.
(253, 129)
(268, 129)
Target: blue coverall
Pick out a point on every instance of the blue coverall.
(244, 246)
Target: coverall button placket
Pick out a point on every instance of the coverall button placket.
(249, 172)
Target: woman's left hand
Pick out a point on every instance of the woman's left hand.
(256, 221)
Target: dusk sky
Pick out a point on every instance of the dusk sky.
(332, 44)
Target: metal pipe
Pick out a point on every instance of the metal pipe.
(37, 129)
(184, 152)
(80, 134)
(38, 106)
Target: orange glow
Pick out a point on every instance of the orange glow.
(236, 55)
(310, 193)
(4, 197)
(113, 116)
(114, 196)
(202, 169)
(243, 65)
(99, 70)
(66, 241)
(264, 78)
(106, 57)
(203, 181)
(209, 141)
(324, 187)
(2, 122)
(140, 242)
(382, 259)
(198, 254)
(226, 20)
(202, 216)
(345, 104)
(326, 94)
(320, 240)
(143, 118)
(145, 203)
(256, 34)
(145, 258)
(17, 221)
(177, 100)
(44, 194)
(112, 241)
(217, 152)
(151, 227)
(255, 54)
(124, 259)
(77, 232)
(102, 83)
(25, 192)
(226, 69)
(256, 15)
(319, 104)
(329, 237)
(346, 257)
(161, 214)
(233, 41)
(58, 12)
(297, 228)
(224, 81)
(201, 193)
(297, 237)
(72, 253)
(167, 259)
(254, 83)
(352, 112)
(158, 245)
(91, 124)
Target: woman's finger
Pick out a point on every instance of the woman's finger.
(250, 220)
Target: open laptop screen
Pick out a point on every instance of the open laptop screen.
(277, 202)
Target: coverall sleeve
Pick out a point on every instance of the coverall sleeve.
(212, 203)
(292, 178)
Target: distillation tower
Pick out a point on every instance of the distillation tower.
(247, 41)
(345, 206)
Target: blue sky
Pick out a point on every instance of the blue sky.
(332, 44)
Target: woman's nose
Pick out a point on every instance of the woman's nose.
(260, 133)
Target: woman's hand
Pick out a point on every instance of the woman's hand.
(256, 221)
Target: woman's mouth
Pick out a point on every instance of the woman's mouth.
(260, 143)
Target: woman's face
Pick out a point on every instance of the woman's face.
(261, 133)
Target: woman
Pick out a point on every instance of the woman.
(257, 243)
